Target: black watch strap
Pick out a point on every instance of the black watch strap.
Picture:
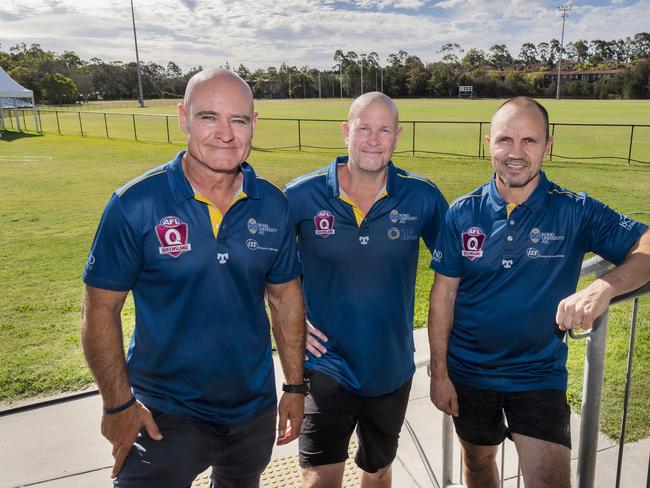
(302, 388)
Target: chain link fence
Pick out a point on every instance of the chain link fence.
(609, 143)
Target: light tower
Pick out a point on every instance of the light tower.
(137, 59)
(564, 11)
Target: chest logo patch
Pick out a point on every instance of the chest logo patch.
(473, 239)
(324, 222)
(173, 235)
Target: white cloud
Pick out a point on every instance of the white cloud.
(260, 33)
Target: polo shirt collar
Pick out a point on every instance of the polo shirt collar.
(533, 202)
(182, 190)
(332, 179)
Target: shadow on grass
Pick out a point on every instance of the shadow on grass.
(10, 135)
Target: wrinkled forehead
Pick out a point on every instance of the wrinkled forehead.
(517, 117)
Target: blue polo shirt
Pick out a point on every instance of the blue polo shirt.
(201, 347)
(359, 273)
(515, 265)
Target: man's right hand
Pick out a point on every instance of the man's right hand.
(121, 429)
(314, 341)
(443, 395)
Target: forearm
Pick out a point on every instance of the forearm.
(633, 273)
(288, 323)
(101, 339)
(441, 317)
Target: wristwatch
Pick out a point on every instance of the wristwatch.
(301, 388)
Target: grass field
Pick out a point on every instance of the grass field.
(54, 188)
(158, 123)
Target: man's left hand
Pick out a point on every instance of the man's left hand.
(290, 412)
(579, 310)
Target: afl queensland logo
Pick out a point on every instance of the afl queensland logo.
(252, 226)
(324, 222)
(172, 233)
(473, 239)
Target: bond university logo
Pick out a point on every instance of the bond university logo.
(324, 222)
(473, 239)
(172, 233)
(222, 257)
(252, 226)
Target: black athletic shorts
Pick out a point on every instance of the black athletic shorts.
(541, 414)
(332, 413)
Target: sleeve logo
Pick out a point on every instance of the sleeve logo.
(473, 239)
(173, 234)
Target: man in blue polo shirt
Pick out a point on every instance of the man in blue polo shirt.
(359, 222)
(199, 241)
(507, 264)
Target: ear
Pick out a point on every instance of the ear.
(549, 144)
(253, 123)
(182, 117)
(345, 126)
(397, 134)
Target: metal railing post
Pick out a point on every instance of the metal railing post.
(629, 152)
(447, 451)
(40, 122)
(81, 127)
(626, 397)
(299, 137)
(550, 156)
(413, 140)
(480, 136)
(106, 126)
(592, 391)
(135, 132)
(58, 126)
(167, 125)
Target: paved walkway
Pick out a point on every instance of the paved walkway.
(60, 446)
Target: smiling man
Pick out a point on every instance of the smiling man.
(199, 241)
(359, 222)
(507, 264)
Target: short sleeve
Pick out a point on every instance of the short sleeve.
(608, 233)
(436, 222)
(285, 267)
(115, 257)
(446, 257)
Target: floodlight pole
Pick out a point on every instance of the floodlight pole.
(137, 58)
(319, 84)
(564, 10)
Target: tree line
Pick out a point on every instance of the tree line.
(66, 78)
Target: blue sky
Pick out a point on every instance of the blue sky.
(260, 33)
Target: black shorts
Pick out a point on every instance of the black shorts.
(332, 413)
(541, 414)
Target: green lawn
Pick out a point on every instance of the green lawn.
(53, 189)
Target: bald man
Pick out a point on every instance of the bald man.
(359, 222)
(198, 241)
(507, 264)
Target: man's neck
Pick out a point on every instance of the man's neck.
(220, 187)
(361, 186)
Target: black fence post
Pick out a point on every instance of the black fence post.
(167, 125)
(135, 132)
(629, 152)
(480, 136)
(40, 122)
(413, 139)
(550, 156)
(299, 137)
(58, 126)
(106, 126)
(24, 121)
(81, 127)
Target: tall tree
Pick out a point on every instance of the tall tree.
(500, 57)
(528, 53)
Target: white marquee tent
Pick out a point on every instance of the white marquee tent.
(11, 93)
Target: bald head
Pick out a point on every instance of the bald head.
(217, 77)
(372, 98)
(524, 103)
